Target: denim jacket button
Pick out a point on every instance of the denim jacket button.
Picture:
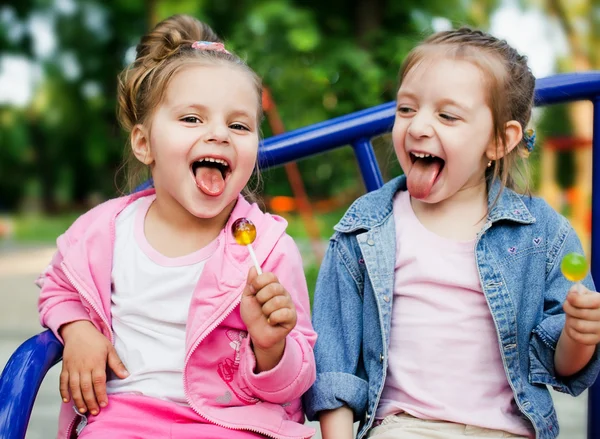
(386, 298)
(367, 417)
(381, 358)
(371, 242)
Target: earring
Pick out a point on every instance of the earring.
(489, 164)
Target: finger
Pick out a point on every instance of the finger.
(270, 291)
(576, 289)
(249, 289)
(584, 301)
(76, 392)
(99, 383)
(116, 365)
(282, 316)
(261, 281)
(584, 326)
(581, 313)
(87, 391)
(64, 385)
(275, 303)
(585, 339)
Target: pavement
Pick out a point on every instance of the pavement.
(19, 267)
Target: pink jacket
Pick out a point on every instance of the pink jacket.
(219, 378)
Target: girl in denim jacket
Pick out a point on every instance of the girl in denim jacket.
(154, 287)
(440, 306)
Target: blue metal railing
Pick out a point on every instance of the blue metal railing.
(25, 370)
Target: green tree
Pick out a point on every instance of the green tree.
(320, 59)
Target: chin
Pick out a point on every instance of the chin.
(208, 209)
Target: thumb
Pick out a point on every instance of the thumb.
(249, 290)
(116, 365)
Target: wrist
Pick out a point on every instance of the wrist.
(268, 358)
(571, 356)
(67, 329)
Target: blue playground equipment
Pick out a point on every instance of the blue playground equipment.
(25, 370)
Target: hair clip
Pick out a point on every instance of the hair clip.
(210, 45)
(529, 138)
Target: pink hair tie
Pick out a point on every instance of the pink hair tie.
(210, 45)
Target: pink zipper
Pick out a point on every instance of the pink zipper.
(83, 293)
(185, 386)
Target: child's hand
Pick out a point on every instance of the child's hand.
(83, 376)
(582, 308)
(269, 314)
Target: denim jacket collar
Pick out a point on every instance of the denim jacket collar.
(372, 209)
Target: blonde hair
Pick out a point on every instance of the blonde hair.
(510, 91)
(160, 54)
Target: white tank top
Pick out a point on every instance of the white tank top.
(151, 294)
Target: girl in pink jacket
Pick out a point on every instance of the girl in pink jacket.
(152, 288)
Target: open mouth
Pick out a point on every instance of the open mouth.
(208, 162)
(414, 156)
(425, 170)
(211, 174)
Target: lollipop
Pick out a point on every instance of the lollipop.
(574, 267)
(244, 233)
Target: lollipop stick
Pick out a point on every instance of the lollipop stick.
(253, 256)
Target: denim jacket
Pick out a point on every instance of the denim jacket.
(518, 253)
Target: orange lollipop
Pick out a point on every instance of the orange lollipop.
(244, 233)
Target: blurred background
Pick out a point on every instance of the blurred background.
(61, 148)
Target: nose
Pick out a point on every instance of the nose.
(420, 125)
(217, 133)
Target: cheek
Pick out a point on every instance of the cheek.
(247, 158)
(398, 134)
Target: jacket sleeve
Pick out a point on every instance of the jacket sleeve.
(58, 303)
(337, 318)
(546, 334)
(295, 372)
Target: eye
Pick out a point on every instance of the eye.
(239, 127)
(403, 109)
(448, 117)
(191, 119)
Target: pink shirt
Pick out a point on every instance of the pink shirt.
(444, 359)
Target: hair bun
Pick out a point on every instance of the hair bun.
(169, 36)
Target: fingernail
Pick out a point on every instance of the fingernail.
(103, 404)
(125, 373)
(65, 400)
(94, 412)
(251, 288)
(82, 410)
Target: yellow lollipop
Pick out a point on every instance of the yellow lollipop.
(244, 233)
(574, 267)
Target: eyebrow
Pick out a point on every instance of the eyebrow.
(406, 94)
(454, 103)
(442, 102)
(200, 107)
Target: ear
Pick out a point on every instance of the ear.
(140, 144)
(513, 132)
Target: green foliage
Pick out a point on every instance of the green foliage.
(320, 60)
(42, 229)
(556, 123)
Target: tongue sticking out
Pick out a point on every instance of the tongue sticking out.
(210, 181)
(422, 176)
